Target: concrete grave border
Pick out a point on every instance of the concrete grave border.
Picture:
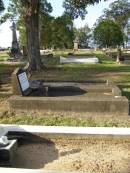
(67, 130)
(16, 170)
(64, 130)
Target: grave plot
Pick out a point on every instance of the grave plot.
(71, 149)
(82, 156)
(92, 96)
(79, 60)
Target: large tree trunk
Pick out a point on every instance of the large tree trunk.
(31, 18)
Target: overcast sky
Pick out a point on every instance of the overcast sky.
(93, 13)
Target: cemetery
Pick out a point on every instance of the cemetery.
(60, 149)
(67, 149)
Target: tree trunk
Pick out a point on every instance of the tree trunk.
(31, 18)
(120, 58)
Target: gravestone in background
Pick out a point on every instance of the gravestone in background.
(75, 48)
(15, 45)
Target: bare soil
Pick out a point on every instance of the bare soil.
(98, 156)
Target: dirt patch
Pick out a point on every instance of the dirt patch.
(92, 156)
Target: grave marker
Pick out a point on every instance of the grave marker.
(21, 85)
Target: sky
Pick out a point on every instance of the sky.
(94, 12)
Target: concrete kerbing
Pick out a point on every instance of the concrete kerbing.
(89, 103)
(68, 130)
(16, 170)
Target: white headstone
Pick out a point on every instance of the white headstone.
(23, 80)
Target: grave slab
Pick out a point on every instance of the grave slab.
(98, 97)
(78, 60)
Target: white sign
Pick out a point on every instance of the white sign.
(23, 81)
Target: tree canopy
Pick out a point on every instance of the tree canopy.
(1, 5)
(76, 8)
(30, 11)
(83, 35)
(108, 34)
(62, 32)
(119, 11)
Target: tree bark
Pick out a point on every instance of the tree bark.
(31, 18)
(120, 58)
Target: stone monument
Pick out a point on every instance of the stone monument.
(76, 41)
(15, 50)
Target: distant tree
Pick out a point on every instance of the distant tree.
(62, 32)
(30, 10)
(108, 34)
(119, 11)
(12, 11)
(76, 8)
(1, 6)
(44, 28)
(22, 32)
(1, 9)
(46, 22)
(83, 35)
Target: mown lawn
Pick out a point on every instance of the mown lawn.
(107, 69)
(4, 55)
(49, 120)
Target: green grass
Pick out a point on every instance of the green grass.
(120, 74)
(7, 68)
(62, 121)
(4, 55)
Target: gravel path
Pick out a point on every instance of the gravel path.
(92, 156)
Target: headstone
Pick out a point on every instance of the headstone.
(21, 85)
(23, 81)
(15, 83)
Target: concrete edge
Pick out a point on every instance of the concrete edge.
(16, 170)
(68, 130)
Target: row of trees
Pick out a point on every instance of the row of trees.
(109, 28)
(56, 32)
(1, 6)
(29, 11)
(108, 34)
(38, 28)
